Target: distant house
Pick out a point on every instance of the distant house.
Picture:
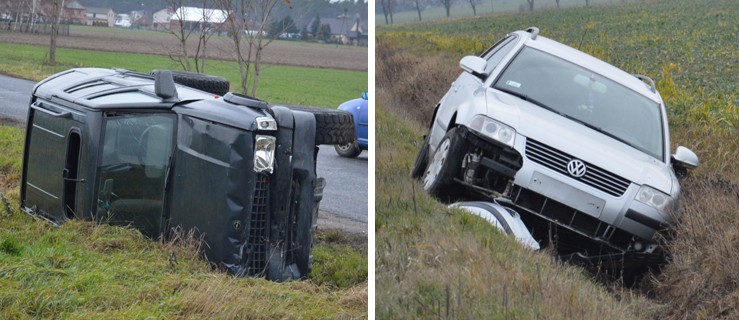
(140, 19)
(100, 17)
(357, 35)
(346, 30)
(160, 19)
(74, 13)
(338, 26)
(196, 18)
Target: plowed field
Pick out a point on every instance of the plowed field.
(134, 41)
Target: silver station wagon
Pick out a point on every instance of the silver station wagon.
(577, 146)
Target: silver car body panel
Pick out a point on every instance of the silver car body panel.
(470, 96)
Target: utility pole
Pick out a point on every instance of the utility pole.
(343, 25)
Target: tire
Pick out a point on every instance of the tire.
(444, 166)
(348, 150)
(205, 82)
(332, 126)
(422, 160)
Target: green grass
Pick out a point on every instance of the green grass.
(278, 84)
(82, 270)
(430, 260)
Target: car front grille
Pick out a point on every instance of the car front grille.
(557, 160)
(564, 215)
(257, 243)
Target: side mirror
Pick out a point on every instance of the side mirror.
(685, 157)
(682, 160)
(474, 65)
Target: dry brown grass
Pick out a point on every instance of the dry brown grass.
(701, 280)
(415, 83)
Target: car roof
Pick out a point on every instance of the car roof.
(587, 61)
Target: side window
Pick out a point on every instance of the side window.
(497, 52)
(135, 159)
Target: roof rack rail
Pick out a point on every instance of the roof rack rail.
(647, 79)
(534, 31)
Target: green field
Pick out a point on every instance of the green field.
(436, 263)
(278, 84)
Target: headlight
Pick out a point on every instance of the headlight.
(264, 153)
(653, 198)
(493, 129)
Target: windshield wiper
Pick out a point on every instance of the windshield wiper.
(599, 129)
(529, 99)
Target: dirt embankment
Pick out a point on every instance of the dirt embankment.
(147, 42)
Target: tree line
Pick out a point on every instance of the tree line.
(389, 7)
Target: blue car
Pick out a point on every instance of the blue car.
(358, 109)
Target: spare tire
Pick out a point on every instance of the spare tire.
(332, 126)
(205, 82)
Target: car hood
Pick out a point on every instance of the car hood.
(534, 122)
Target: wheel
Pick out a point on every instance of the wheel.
(445, 165)
(419, 167)
(335, 127)
(205, 82)
(348, 150)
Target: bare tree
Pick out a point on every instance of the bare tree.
(492, 6)
(206, 30)
(247, 26)
(388, 6)
(587, 3)
(447, 5)
(473, 4)
(419, 5)
(183, 33)
(557, 1)
(531, 4)
(56, 16)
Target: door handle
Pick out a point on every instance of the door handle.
(60, 114)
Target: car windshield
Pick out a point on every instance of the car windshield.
(585, 97)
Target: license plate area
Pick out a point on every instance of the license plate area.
(566, 194)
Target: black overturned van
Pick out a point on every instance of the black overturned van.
(144, 150)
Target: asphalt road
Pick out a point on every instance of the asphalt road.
(345, 194)
(15, 94)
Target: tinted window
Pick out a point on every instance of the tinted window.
(135, 160)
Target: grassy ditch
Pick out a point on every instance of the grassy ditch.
(278, 84)
(83, 270)
(431, 260)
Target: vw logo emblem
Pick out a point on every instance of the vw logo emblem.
(576, 168)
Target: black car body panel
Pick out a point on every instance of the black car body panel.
(101, 145)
